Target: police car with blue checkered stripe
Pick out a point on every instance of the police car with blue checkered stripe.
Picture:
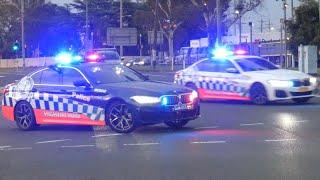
(242, 77)
(97, 94)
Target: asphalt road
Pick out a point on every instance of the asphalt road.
(231, 140)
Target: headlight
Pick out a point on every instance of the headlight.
(193, 96)
(146, 99)
(313, 81)
(280, 84)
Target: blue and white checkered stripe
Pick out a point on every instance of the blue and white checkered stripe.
(214, 84)
(46, 101)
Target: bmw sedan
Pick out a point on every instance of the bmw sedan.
(97, 94)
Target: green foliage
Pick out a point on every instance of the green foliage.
(305, 29)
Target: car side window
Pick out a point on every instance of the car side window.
(47, 76)
(70, 76)
(224, 65)
(208, 66)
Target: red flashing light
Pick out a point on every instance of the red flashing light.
(240, 52)
(93, 57)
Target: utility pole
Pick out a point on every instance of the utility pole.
(218, 22)
(281, 42)
(292, 8)
(155, 38)
(23, 50)
(261, 25)
(285, 5)
(121, 23)
(87, 26)
(251, 45)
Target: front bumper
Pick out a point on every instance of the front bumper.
(291, 93)
(161, 114)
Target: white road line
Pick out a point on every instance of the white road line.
(2, 147)
(279, 140)
(105, 135)
(78, 146)
(302, 121)
(53, 141)
(2, 76)
(141, 144)
(21, 148)
(208, 127)
(209, 142)
(252, 124)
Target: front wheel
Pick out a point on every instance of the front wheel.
(258, 94)
(301, 100)
(120, 118)
(176, 124)
(24, 116)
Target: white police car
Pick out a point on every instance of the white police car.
(246, 78)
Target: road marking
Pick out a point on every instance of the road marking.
(252, 124)
(78, 146)
(302, 121)
(2, 147)
(21, 148)
(208, 127)
(279, 140)
(2, 76)
(105, 135)
(209, 142)
(141, 144)
(53, 141)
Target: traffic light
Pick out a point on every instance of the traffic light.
(15, 46)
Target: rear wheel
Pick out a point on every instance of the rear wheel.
(176, 124)
(258, 94)
(24, 116)
(301, 100)
(120, 118)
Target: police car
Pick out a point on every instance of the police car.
(241, 77)
(97, 94)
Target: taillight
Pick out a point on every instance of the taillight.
(5, 91)
(93, 57)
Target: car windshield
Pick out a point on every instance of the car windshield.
(105, 74)
(109, 55)
(255, 64)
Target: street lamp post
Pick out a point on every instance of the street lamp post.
(121, 24)
(87, 26)
(240, 24)
(285, 5)
(140, 42)
(23, 50)
(251, 46)
(218, 21)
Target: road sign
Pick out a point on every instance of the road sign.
(122, 36)
(195, 43)
(151, 37)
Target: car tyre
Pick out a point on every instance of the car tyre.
(258, 94)
(178, 124)
(301, 100)
(24, 116)
(120, 118)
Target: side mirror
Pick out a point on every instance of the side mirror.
(122, 58)
(232, 70)
(82, 83)
(278, 66)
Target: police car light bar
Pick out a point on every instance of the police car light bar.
(221, 52)
(64, 58)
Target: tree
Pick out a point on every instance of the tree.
(9, 27)
(51, 28)
(305, 29)
(209, 12)
(102, 14)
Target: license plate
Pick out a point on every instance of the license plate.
(303, 89)
(180, 107)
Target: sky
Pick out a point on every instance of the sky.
(270, 10)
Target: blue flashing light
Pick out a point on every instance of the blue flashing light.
(64, 58)
(221, 52)
(77, 58)
(164, 101)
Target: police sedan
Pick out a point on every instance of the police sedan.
(97, 94)
(246, 78)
